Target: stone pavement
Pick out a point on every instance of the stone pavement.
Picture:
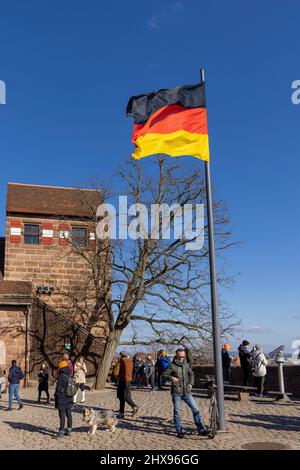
(253, 422)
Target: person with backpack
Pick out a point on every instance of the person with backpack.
(15, 376)
(258, 368)
(64, 393)
(80, 378)
(43, 376)
(245, 357)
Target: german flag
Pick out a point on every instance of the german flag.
(171, 121)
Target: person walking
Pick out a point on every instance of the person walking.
(80, 378)
(115, 370)
(63, 402)
(43, 377)
(245, 357)
(150, 371)
(66, 357)
(258, 369)
(124, 384)
(2, 381)
(163, 364)
(157, 370)
(226, 362)
(182, 378)
(15, 376)
(138, 371)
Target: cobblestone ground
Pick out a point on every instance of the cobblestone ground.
(258, 420)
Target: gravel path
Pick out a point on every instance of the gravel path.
(259, 420)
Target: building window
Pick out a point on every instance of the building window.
(31, 234)
(79, 236)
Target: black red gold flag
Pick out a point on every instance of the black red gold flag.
(170, 121)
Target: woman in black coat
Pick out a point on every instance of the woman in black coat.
(63, 403)
(43, 376)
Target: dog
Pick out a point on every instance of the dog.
(95, 418)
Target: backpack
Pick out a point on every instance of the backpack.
(71, 387)
(255, 363)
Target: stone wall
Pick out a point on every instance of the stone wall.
(2, 255)
(12, 336)
(47, 335)
(55, 262)
(51, 263)
(291, 377)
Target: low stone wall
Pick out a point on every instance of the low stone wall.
(291, 375)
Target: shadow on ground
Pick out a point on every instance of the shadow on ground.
(271, 422)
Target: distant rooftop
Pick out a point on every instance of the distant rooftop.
(51, 200)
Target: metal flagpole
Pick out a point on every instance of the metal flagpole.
(214, 294)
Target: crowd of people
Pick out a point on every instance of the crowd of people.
(141, 371)
(253, 365)
(70, 381)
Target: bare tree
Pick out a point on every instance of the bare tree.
(154, 284)
(157, 281)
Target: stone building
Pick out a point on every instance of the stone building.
(48, 285)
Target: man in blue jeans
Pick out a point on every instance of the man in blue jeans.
(14, 377)
(182, 377)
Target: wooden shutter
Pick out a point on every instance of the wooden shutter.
(15, 231)
(47, 233)
(64, 234)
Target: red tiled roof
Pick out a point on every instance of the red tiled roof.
(15, 288)
(15, 292)
(51, 200)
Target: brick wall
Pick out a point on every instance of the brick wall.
(2, 254)
(51, 262)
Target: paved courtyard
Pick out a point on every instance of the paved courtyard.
(257, 421)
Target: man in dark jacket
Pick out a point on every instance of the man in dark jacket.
(15, 375)
(124, 384)
(245, 357)
(182, 378)
(226, 362)
(63, 403)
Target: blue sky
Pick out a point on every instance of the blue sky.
(70, 67)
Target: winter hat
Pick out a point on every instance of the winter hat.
(63, 364)
(123, 353)
(257, 347)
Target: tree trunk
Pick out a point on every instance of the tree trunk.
(106, 360)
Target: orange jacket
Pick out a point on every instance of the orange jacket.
(126, 367)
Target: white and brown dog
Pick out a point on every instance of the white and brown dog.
(95, 418)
